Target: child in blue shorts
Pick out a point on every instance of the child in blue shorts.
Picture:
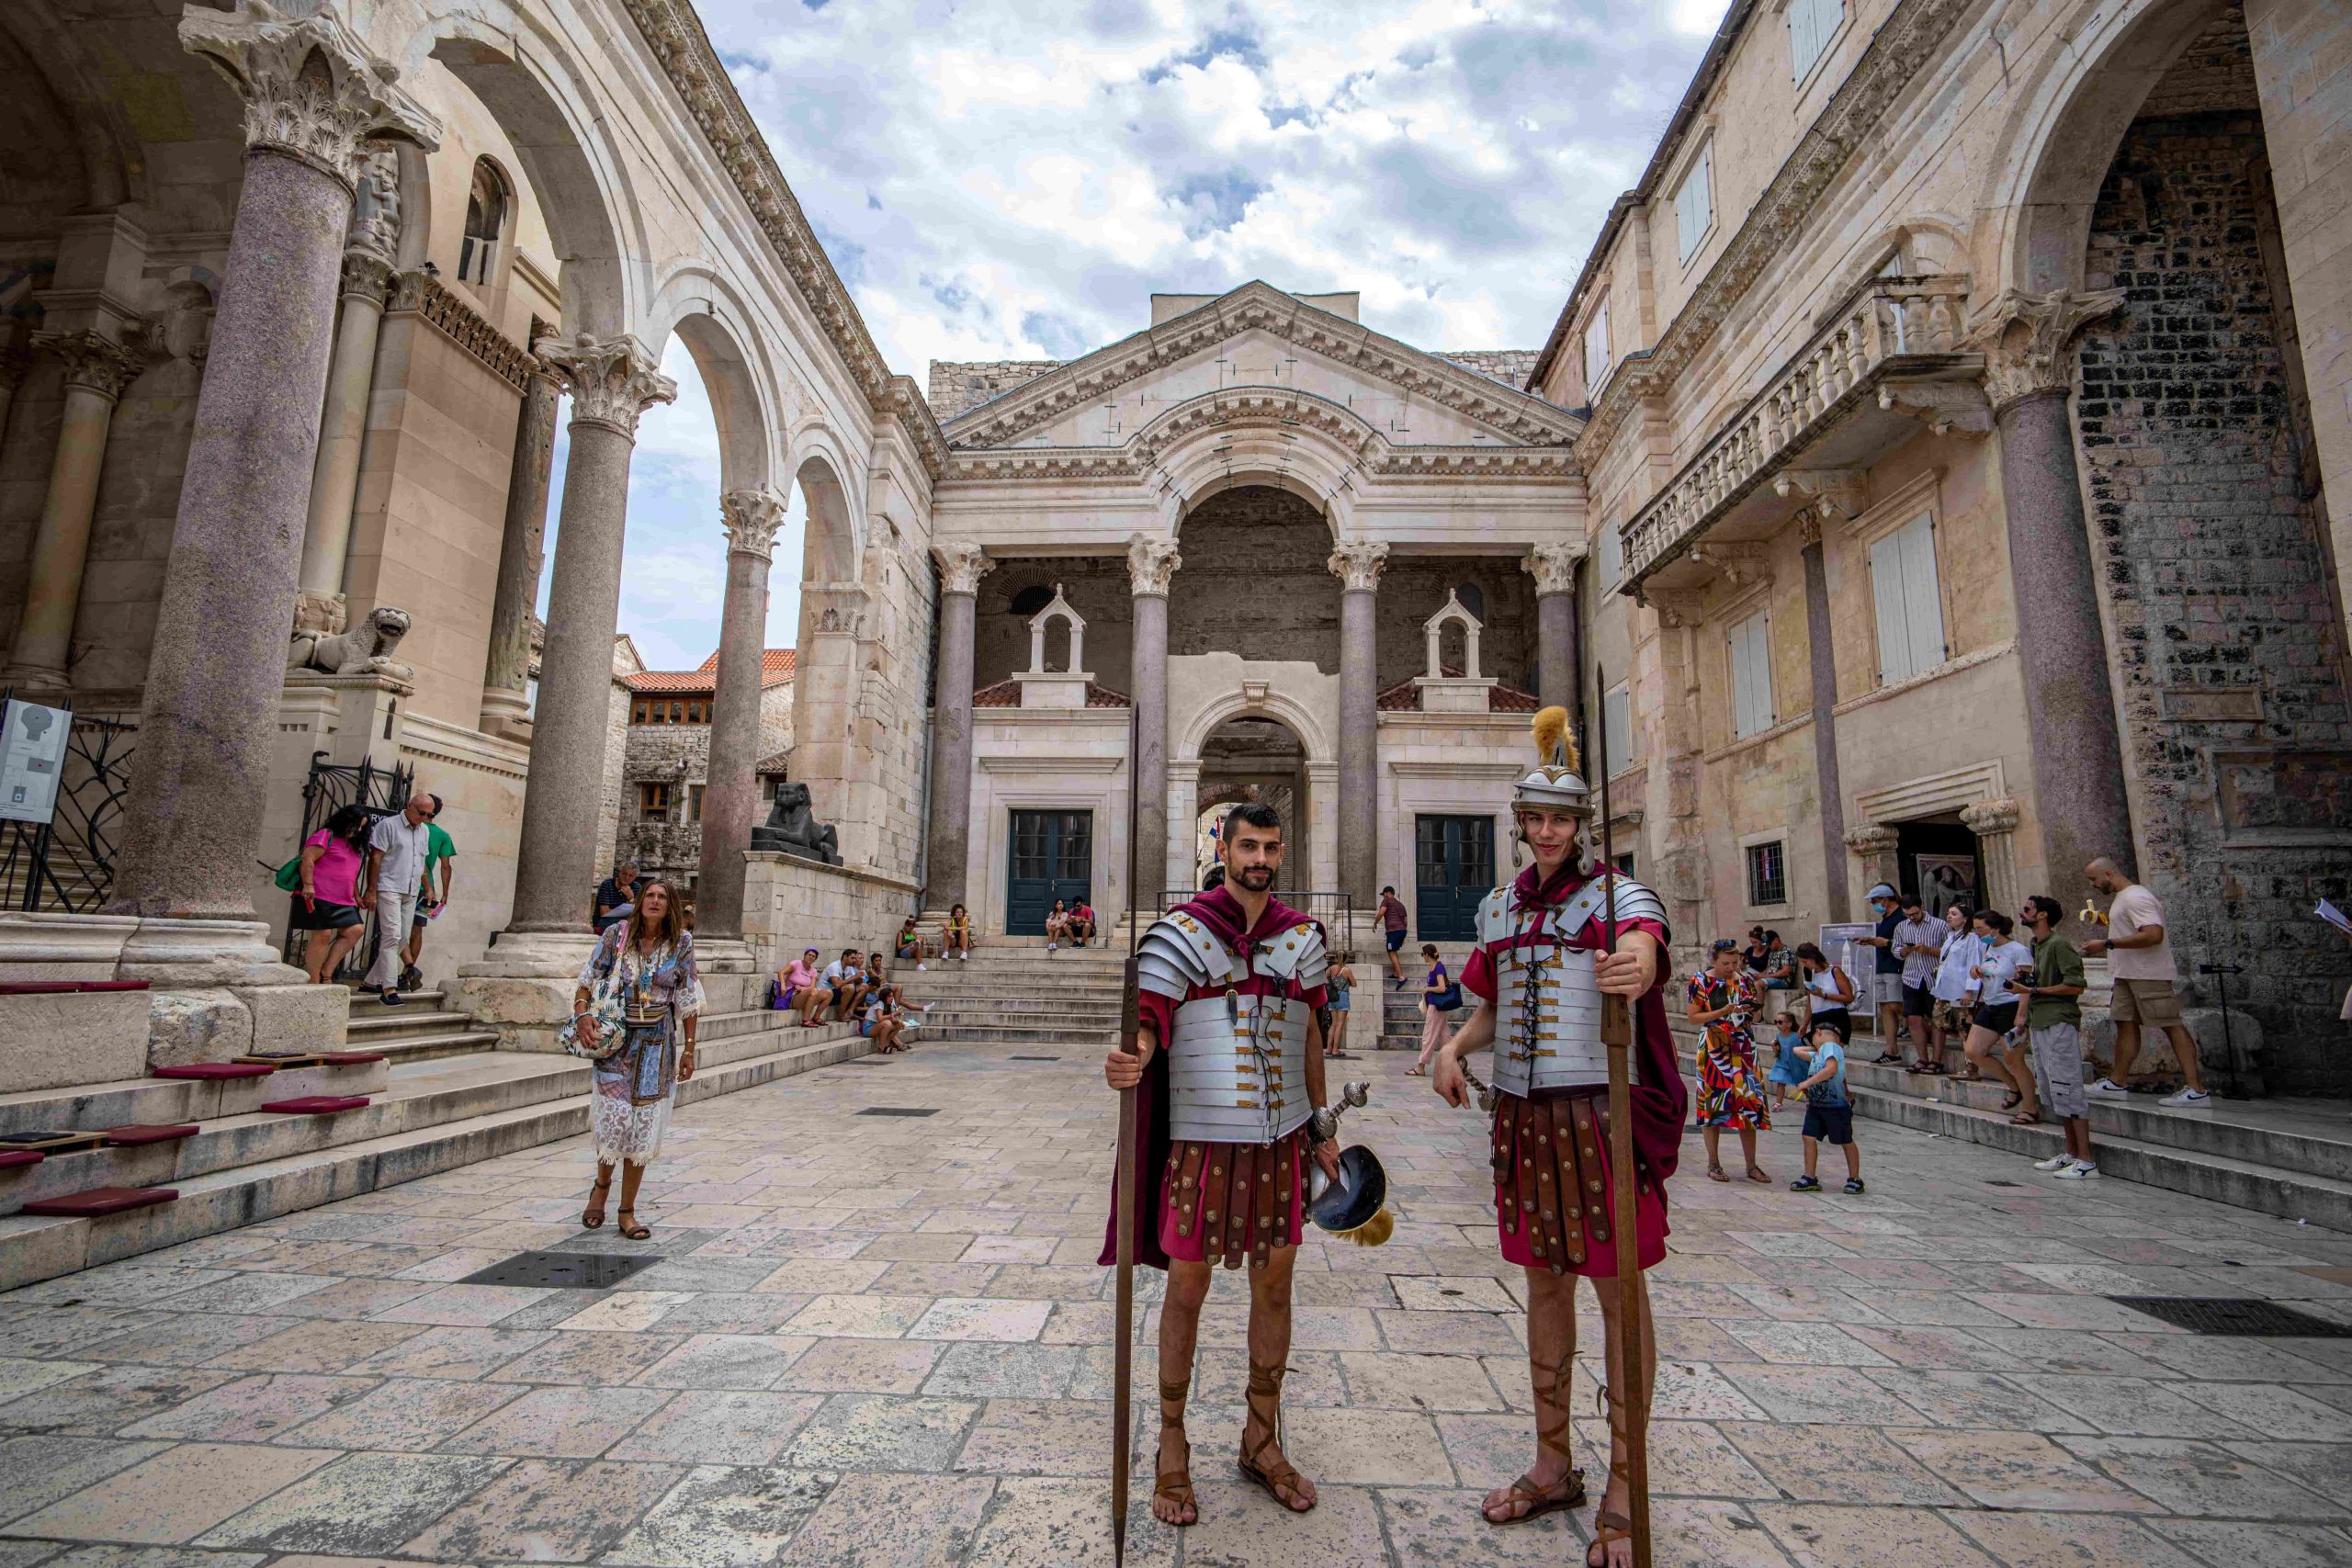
(1829, 1113)
(1789, 1070)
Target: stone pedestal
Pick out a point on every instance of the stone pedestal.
(961, 567)
(523, 988)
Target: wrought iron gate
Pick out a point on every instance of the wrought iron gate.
(66, 864)
(329, 789)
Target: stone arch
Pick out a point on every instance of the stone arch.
(1253, 702)
(1304, 445)
(524, 75)
(1931, 244)
(2064, 134)
(111, 157)
(714, 322)
(835, 537)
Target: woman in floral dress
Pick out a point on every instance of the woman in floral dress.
(1725, 997)
(642, 981)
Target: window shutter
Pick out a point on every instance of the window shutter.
(1804, 43)
(1922, 606)
(1751, 677)
(1887, 597)
(1617, 716)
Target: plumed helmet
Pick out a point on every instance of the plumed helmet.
(1558, 779)
(1356, 1206)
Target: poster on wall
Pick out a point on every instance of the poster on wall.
(1945, 880)
(32, 756)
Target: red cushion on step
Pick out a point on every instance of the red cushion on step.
(134, 1134)
(215, 1071)
(15, 1159)
(102, 1201)
(317, 1104)
(350, 1058)
(61, 987)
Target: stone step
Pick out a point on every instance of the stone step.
(32, 1248)
(981, 1034)
(425, 1048)
(90, 1107)
(378, 1022)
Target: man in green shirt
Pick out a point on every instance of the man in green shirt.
(440, 853)
(2053, 1011)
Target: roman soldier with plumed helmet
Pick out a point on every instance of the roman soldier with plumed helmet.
(1539, 974)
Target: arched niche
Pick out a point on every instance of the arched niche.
(1255, 581)
(830, 555)
(713, 323)
(1257, 756)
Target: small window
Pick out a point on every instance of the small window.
(636, 711)
(486, 207)
(652, 800)
(1031, 600)
(1910, 611)
(1751, 675)
(1617, 727)
(1768, 874)
(1694, 203)
(1611, 544)
(1596, 352)
(1812, 24)
(697, 710)
(693, 802)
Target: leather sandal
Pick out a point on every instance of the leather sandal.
(592, 1217)
(630, 1230)
(1609, 1527)
(1175, 1484)
(1281, 1476)
(1551, 1437)
(1715, 1173)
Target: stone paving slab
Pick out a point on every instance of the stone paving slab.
(884, 1340)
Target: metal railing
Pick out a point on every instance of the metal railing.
(66, 864)
(1336, 910)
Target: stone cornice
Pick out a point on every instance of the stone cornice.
(1257, 307)
(1887, 68)
(684, 51)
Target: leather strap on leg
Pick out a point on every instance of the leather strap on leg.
(1266, 1383)
(1174, 1483)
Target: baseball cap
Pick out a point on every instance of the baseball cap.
(1881, 891)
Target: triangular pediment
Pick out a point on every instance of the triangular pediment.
(1259, 337)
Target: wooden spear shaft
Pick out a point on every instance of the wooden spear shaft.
(1123, 1191)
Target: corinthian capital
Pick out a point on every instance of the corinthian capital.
(611, 379)
(1554, 566)
(751, 516)
(367, 276)
(962, 564)
(1357, 563)
(312, 89)
(91, 361)
(1150, 564)
(2028, 340)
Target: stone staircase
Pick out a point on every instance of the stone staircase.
(1014, 992)
(440, 1097)
(1400, 1006)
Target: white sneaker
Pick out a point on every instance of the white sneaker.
(2055, 1162)
(2080, 1170)
(2188, 1100)
(2106, 1086)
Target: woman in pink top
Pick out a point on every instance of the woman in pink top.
(333, 864)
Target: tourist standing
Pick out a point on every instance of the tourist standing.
(1918, 944)
(1886, 978)
(643, 975)
(1542, 967)
(1829, 996)
(1996, 1012)
(1392, 924)
(1335, 1025)
(333, 860)
(614, 897)
(1955, 984)
(1789, 1067)
(2139, 960)
(1235, 958)
(440, 854)
(1440, 995)
(1725, 996)
(396, 852)
(2053, 1011)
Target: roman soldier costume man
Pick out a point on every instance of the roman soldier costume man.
(1228, 1073)
(1539, 971)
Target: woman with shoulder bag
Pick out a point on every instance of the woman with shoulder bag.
(1440, 995)
(633, 1017)
(333, 865)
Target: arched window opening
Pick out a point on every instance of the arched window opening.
(486, 205)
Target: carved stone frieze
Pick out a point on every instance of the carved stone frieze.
(612, 380)
(1946, 407)
(1151, 565)
(1357, 563)
(1676, 607)
(2028, 340)
(1736, 564)
(752, 518)
(1987, 818)
(376, 214)
(312, 89)
(94, 361)
(1831, 494)
(421, 294)
(1554, 566)
(962, 564)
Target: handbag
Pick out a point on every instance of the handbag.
(1450, 998)
(607, 1006)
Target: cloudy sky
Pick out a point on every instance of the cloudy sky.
(999, 180)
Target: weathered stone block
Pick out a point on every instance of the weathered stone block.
(50, 1042)
(2235, 1062)
(195, 1026)
(62, 947)
(297, 1017)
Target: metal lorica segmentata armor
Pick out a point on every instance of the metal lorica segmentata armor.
(1547, 1003)
(1237, 1064)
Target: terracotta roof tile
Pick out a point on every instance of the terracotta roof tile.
(1006, 693)
(1406, 697)
(776, 669)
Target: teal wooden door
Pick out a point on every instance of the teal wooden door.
(1454, 868)
(1053, 857)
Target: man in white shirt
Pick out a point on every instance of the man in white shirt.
(844, 981)
(1919, 942)
(2139, 960)
(396, 854)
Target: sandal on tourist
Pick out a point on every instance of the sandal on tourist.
(2012, 1100)
(1532, 1500)
(2026, 1118)
(1175, 1484)
(592, 1217)
(630, 1230)
(1280, 1480)
(1715, 1173)
(1755, 1174)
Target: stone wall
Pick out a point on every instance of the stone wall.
(790, 904)
(2224, 637)
(1096, 587)
(1413, 588)
(1254, 582)
(1509, 365)
(956, 389)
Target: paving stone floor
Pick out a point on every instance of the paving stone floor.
(876, 1339)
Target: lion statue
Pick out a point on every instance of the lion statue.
(366, 650)
(792, 829)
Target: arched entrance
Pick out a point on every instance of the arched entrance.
(1250, 757)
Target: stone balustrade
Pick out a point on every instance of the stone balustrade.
(1893, 327)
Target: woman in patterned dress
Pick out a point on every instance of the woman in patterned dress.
(1725, 996)
(647, 962)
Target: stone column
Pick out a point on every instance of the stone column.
(731, 787)
(961, 567)
(1823, 651)
(320, 605)
(507, 672)
(14, 360)
(1559, 681)
(1151, 563)
(2071, 729)
(96, 370)
(315, 102)
(612, 380)
(1357, 564)
(1995, 823)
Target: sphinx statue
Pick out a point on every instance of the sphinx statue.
(792, 828)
